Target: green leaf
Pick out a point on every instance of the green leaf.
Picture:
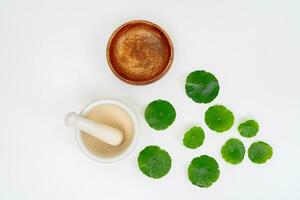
(233, 151)
(260, 152)
(194, 137)
(219, 118)
(202, 86)
(248, 128)
(203, 171)
(160, 114)
(154, 162)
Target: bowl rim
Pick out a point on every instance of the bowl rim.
(166, 69)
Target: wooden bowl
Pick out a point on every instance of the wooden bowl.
(139, 52)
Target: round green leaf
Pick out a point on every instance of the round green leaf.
(203, 171)
(154, 162)
(248, 128)
(219, 118)
(160, 114)
(260, 152)
(194, 137)
(233, 151)
(202, 86)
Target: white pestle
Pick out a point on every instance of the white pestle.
(107, 134)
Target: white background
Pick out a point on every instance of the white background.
(52, 61)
